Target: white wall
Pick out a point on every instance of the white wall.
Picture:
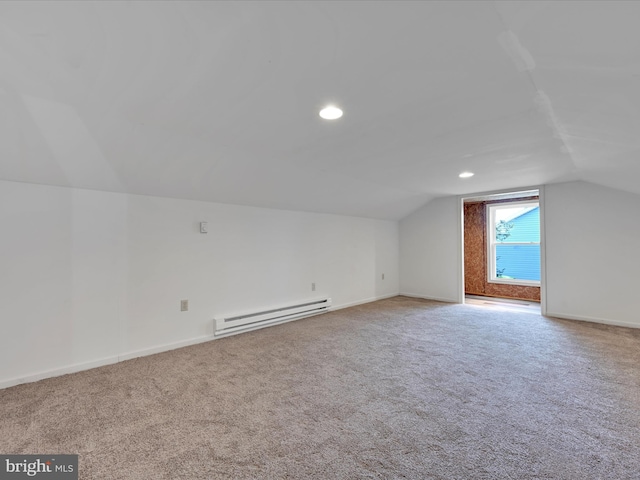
(90, 277)
(593, 253)
(430, 252)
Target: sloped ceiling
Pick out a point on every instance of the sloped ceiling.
(219, 101)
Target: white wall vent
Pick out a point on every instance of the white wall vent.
(229, 324)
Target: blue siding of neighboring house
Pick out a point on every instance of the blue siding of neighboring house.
(521, 261)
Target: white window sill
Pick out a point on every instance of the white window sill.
(522, 283)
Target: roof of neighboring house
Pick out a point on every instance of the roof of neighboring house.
(520, 213)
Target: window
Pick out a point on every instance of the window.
(513, 230)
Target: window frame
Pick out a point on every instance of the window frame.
(491, 244)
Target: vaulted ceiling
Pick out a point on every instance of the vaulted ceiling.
(219, 101)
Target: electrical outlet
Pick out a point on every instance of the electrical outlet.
(184, 305)
(313, 287)
(383, 276)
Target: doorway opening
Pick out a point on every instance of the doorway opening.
(502, 249)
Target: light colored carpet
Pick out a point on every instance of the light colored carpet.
(400, 388)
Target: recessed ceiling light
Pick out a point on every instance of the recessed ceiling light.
(330, 112)
(466, 175)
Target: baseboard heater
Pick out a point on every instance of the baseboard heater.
(225, 325)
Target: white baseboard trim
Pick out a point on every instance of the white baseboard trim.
(57, 372)
(605, 321)
(362, 302)
(425, 297)
(79, 367)
(164, 348)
